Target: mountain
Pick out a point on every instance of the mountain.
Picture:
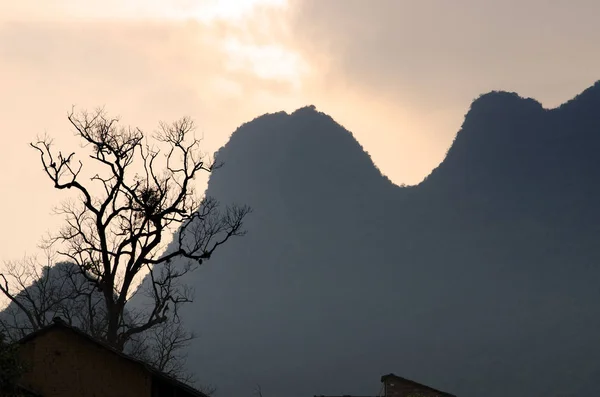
(481, 281)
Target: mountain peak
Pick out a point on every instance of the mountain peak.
(502, 102)
(306, 109)
(295, 151)
(508, 142)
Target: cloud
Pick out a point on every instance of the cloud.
(434, 51)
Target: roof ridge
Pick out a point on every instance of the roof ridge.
(392, 375)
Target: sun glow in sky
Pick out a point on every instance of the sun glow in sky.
(265, 61)
(215, 9)
(269, 61)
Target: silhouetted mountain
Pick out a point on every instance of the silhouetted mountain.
(482, 280)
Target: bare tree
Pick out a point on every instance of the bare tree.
(163, 347)
(115, 230)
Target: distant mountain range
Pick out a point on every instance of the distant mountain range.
(483, 280)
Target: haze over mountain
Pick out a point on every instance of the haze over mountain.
(481, 280)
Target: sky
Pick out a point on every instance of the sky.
(399, 74)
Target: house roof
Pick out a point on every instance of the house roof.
(58, 323)
(384, 378)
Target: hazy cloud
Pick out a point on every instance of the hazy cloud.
(430, 52)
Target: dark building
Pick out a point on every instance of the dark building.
(62, 361)
(397, 386)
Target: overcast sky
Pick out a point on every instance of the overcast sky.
(399, 74)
